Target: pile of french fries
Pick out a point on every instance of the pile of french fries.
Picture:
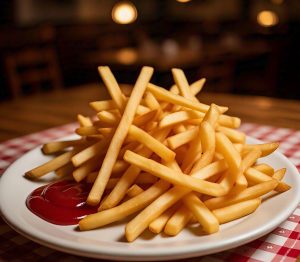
(164, 156)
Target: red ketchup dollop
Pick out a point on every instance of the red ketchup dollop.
(61, 203)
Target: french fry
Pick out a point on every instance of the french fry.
(152, 103)
(87, 167)
(264, 168)
(112, 86)
(51, 165)
(178, 221)
(159, 223)
(142, 179)
(129, 176)
(125, 209)
(212, 115)
(87, 131)
(229, 213)
(108, 117)
(84, 121)
(150, 142)
(106, 131)
(119, 136)
(234, 135)
(182, 84)
(167, 96)
(256, 177)
(247, 194)
(204, 216)
(56, 146)
(179, 117)
(134, 190)
(195, 87)
(182, 138)
(103, 105)
(229, 121)
(145, 118)
(94, 150)
(172, 176)
(265, 149)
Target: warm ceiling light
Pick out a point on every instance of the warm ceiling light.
(267, 18)
(124, 13)
(277, 2)
(183, 1)
(127, 56)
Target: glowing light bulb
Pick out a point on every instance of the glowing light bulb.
(267, 18)
(183, 1)
(124, 13)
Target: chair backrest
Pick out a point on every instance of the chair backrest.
(33, 68)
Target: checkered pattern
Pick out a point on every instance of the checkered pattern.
(280, 245)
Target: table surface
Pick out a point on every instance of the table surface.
(35, 113)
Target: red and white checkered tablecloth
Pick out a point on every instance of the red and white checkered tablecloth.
(283, 244)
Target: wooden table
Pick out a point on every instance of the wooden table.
(38, 112)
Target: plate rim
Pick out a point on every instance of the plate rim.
(190, 251)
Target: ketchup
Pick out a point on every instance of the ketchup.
(61, 203)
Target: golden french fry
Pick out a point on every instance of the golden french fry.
(87, 167)
(172, 176)
(182, 84)
(87, 131)
(56, 146)
(51, 165)
(125, 209)
(229, 121)
(145, 118)
(256, 177)
(134, 190)
(264, 168)
(159, 223)
(265, 149)
(119, 136)
(250, 158)
(112, 86)
(195, 87)
(212, 115)
(129, 176)
(108, 117)
(234, 135)
(247, 194)
(183, 138)
(103, 105)
(178, 221)
(94, 150)
(241, 209)
(179, 117)
(152, 102)
(167, 96)
(204, 138)
(157, 147)
(106, 131)
(84, 121)
(203, 215)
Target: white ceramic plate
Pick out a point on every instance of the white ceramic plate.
(109, 243)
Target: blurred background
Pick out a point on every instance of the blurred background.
(241, 47)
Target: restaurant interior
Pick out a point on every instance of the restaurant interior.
(61, 113)
(240, 47)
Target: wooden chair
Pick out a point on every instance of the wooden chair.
(33, 68)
